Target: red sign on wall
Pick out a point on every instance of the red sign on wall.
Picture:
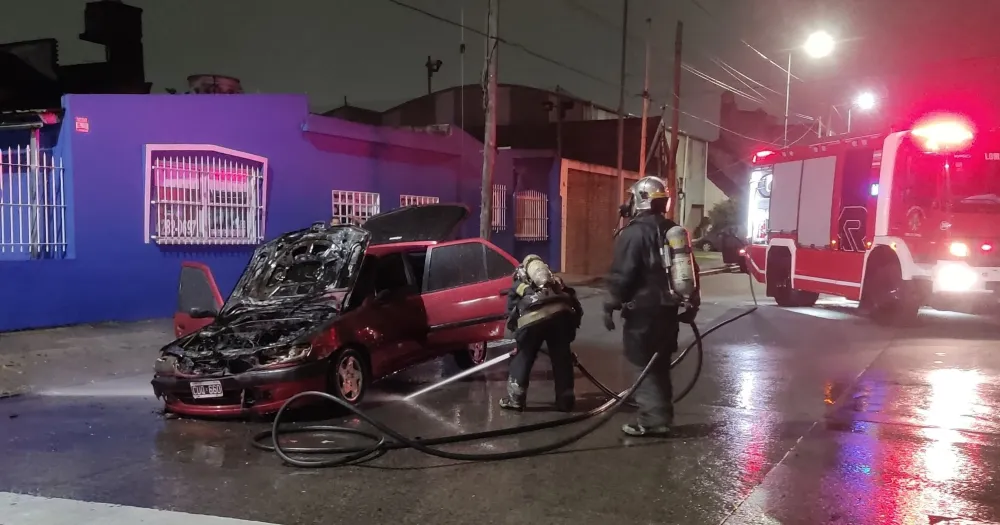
(82, 125)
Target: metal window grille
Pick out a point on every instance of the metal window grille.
(531, 210)
(32, 204)
(498, 218)
(416, 200)
(354, 207)
(201, 194)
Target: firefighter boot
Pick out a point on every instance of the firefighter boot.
(516, 396)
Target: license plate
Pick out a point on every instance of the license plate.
(206, 389)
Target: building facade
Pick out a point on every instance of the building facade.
(97, 217)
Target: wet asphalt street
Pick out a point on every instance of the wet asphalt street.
(802, 416)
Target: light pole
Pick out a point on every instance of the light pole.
(865, 101)
(818, 45)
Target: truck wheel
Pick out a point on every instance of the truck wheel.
(791, 298)
(889, 300)
(783, 292)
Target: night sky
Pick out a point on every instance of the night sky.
(373, 51)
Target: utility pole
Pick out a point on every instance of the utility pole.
(432, 67)
(645, 104)
(490, 136)
(675, 121)
(621, 106)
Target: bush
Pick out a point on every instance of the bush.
(726, 213)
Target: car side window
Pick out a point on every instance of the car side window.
(497, 266)
(195, 290)
(390, 273)
(456, 265)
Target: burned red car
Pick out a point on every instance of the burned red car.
(334, 308)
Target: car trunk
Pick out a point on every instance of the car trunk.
(424, 223)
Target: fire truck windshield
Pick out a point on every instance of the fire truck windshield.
(974, 182)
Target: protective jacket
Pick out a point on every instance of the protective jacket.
(638, 278)
(528, 305)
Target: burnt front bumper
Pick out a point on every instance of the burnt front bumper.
(253, 392)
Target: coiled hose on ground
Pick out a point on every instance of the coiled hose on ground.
(387, 438)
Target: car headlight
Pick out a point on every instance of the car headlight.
(952, 277)
(298, 352)
(293, 354)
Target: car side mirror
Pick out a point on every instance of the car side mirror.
(202, 313)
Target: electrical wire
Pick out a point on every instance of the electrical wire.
(700, 6)
(510, 43)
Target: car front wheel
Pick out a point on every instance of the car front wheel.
(473, 355)
(349, 375)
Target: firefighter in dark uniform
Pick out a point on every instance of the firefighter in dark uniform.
(541, 309)
(651, 277)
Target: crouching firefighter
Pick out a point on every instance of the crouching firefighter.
(653, 275)
(541, 309)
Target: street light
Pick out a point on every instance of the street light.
(818, 45)
(865, 101)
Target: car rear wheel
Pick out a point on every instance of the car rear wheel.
(705, 246)
(474, 355)
(349, 376)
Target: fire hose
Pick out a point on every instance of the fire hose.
(387, 438)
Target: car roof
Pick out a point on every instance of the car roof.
(382, 249)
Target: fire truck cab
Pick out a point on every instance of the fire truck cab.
(895, 221)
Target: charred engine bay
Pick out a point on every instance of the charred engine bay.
(248, 340)
(284, 294)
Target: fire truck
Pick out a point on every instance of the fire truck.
(894, 221)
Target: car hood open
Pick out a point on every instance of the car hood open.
(300, 264)
(428, 222)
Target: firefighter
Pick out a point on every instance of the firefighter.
(541, 309)
(652, 275)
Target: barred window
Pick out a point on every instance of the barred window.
(416, 200)
(531, 210)
(354, 207)
(32, 205)
(204, 194)
(498, 217)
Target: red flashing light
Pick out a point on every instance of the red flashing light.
(761, 155)
(943, 134)
(986, 247)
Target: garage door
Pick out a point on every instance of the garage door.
(590, 224)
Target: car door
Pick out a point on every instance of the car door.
(465, 293)
(398, 310)
(196, 291)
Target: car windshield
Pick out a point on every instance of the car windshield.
(974, 183)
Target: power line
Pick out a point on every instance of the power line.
(555, 62)
(700, 6)
(687, 67)
(515, 45)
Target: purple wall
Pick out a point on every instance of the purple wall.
(111, 274)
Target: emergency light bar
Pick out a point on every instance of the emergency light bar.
(943, 135)
(761, 155)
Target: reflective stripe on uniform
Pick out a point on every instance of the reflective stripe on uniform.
(541, 313)
(520, 289)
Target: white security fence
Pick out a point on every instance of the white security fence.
(206, 195)
(531, 216)
(32, 204)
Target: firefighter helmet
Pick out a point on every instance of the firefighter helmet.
(643, 193)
